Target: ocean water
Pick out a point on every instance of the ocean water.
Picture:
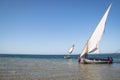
(55, 67)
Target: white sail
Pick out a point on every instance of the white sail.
(93, 41)
(71, 49)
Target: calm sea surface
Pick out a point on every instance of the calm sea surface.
(55, 67)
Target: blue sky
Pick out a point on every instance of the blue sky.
(52, 26)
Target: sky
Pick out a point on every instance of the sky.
(52, 26)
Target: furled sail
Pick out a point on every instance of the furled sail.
(93, 41)
(71, 49)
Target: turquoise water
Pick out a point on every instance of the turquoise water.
(55, 67)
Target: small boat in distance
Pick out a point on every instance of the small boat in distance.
(70, 51)
(93, 43)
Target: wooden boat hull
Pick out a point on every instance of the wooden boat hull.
(95, 61)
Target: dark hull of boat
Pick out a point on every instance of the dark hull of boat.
(95, 61)
(67, 57)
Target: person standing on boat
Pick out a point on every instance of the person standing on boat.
(79, 59)
(109, 60)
